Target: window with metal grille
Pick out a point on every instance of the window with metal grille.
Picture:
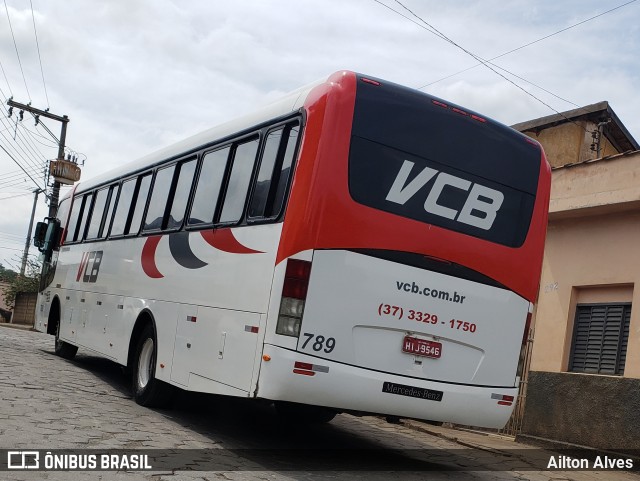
(600, 336)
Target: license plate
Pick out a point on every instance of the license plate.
(422, 347)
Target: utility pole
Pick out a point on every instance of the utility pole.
(62, 170)
(28, 242)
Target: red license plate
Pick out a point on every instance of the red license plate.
(422, 347)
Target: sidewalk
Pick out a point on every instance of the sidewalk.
(24, 327)
(533, 455)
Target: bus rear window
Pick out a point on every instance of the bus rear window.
(414, 158)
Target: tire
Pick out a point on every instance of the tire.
(147, 390)
(294, 413)
(63, 349)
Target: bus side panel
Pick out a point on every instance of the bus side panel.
(217, 344)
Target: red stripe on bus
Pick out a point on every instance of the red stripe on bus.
(83, 264)
(148, 258)
(224, 240)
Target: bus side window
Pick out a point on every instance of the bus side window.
(275, 170)
(139, 203)
(86, 203)
(73, 218)
(286, 170)
(124, 206)
(61, 215)
(210, 180)
(110, 208)
(181, 195)
(239, 181)
(98, 213)
(262, 189)
(159, 197)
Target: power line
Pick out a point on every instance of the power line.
(15, 145)
(17, 53)
(431, 29)
(10, 248)
(25, 139)
(51, 144)
(8, 234)
(39, 57)
(13, 197)
(6, 80)
(19, 165)
(13, 173)
(529, 44)
(16, 181)
(30, 135)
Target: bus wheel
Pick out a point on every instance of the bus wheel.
(147, 390)
(294, 413)
(64, 349)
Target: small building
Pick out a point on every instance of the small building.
(584, 376)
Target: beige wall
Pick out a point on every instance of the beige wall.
(591, 255)
(570, 143)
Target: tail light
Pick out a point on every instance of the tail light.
(294, 294)
(503, 399)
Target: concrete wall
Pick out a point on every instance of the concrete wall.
(24, 311)
(596, 411)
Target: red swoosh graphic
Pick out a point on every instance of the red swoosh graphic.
(148, 257)
(224, 240)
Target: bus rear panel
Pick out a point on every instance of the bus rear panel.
(412, 311)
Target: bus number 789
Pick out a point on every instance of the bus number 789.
(320, 343)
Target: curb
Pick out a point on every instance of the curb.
(22, 327)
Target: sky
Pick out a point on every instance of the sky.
(135, 76)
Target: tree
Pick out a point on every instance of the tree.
(18, 283)
(7, 275)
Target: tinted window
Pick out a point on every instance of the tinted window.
(239, 181)
(63, 210)
(111, 204)
(419, 159)
(140, 203)
(181, 196)
(86, 202)
(124, 205)
(159, 196)
(275, 169)
(265, 174)
(411, 186)
(208, 188)
(97, 213)
(285, 170)
(73, 219)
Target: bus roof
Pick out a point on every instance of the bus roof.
(284, 106)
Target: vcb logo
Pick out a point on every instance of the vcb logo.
(479, 200)
(23, 460)
(89, 266)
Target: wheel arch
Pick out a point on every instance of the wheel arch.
(145, 317)
(55, 315)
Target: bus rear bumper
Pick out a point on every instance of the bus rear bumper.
(344, 387)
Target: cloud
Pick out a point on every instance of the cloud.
(136, 76)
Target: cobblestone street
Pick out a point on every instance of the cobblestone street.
(49, 403)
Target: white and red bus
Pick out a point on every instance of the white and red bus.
(357, 246)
